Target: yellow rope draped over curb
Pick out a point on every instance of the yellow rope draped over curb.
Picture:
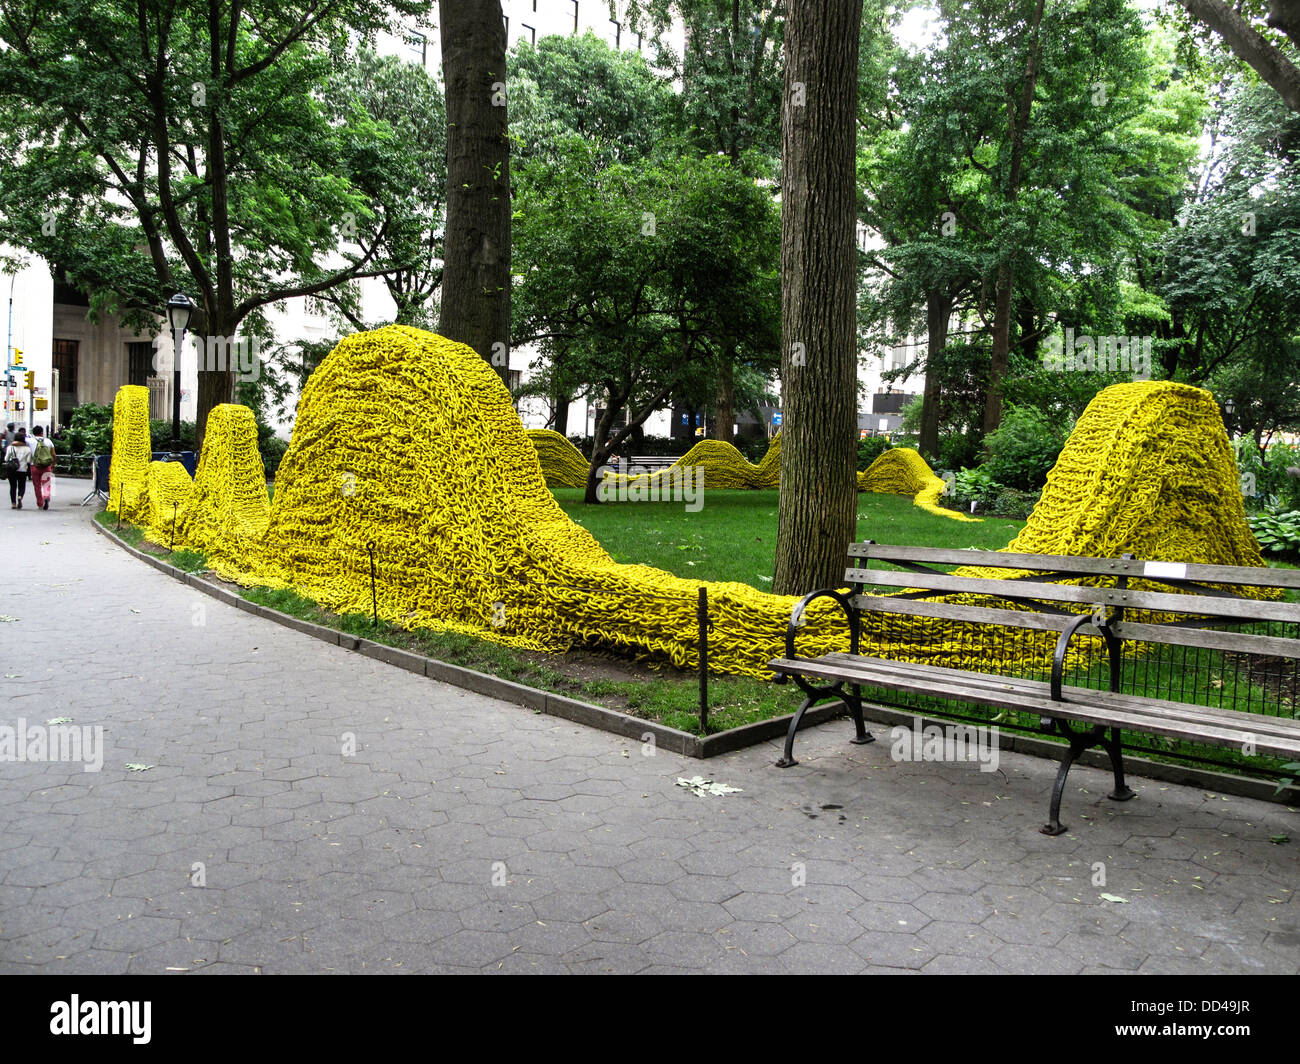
(410, 442)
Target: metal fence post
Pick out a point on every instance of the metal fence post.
(703, 617)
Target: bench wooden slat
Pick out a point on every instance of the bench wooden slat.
(1238, 642)
(1161, 709)
(995, 559)
(1081, 704)
(1159, 601)
(1245, 575)
(1173, 635)
(1048, 622)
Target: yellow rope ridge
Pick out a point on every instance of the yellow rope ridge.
(562, 463)
(723, 466)
(166, 483)
(410, 442)
(231, 507)
(902, 471)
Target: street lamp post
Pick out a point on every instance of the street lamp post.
(179, 309)
(1228, 407)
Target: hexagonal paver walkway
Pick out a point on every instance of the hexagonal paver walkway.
(466, 834)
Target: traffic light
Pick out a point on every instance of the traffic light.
(29, 379)
(18, 356)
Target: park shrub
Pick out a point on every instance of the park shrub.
(974, 485)
(160, 435)
(1024, 448)
(1016, 504)
(1277, 532)
(869, 449)
(958, 450)
(90, 429)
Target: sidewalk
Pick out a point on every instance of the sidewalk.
(467, 834)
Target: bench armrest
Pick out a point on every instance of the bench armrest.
(1096, 619)
(796, 618)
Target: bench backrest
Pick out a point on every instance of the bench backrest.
(1035, 595)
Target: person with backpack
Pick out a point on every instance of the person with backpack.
(17, 463)
(43, 469)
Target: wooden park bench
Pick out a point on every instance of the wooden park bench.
(1192, 607)
(652, 463)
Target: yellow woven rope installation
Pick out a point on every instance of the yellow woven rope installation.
(166, 502)
(723, 466)
(407, 445)
(230, 508)
(129, 463)
(902, 471)
(562, 463)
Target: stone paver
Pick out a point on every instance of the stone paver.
(467, 834)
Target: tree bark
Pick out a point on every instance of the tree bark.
(476, 275)
(819, 361)
(1018, 115)
(938, 309)
(1251, 47)
(724, 407)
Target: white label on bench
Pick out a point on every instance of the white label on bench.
(1166, 570)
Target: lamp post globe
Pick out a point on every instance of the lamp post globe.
(179, 310)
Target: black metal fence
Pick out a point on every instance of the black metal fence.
(1252, 683)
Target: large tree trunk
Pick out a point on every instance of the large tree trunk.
(819, 361)
(938, 309)
(560, 420)
(1018, 115)
(476, 275)
(1001, 346)
(724, 406)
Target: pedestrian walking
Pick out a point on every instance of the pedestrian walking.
(8, 435)
(43, 456)
(17, 463)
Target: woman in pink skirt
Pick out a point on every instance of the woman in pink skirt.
(42, 468)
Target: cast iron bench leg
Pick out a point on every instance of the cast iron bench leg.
(787, 759)
(1054, 825)
(854, 702)
(1121, 793)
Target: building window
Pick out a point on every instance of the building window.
(530, 30)
(418, 45)
(515, 380)
(139, 362)
(65, 366)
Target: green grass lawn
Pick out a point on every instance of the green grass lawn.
(733, 537)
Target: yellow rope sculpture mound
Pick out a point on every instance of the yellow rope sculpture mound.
(230, 508)
(562, 463)
(407, 448)
(129, 463)
(722, 466)
(902, 471)
(1147, 471)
